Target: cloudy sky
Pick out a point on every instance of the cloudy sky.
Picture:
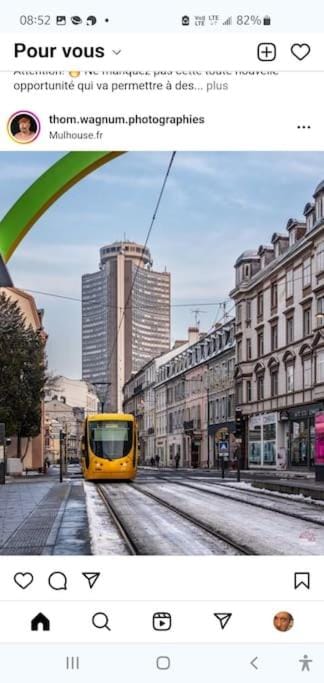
(215, 206)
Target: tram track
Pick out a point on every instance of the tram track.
(279, 510)
(126, 537)
(242, 550)
(109, 496)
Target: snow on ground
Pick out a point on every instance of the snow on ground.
(263, 531)
(288, 496)
(104, 536)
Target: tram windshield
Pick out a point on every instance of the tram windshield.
(111, 439)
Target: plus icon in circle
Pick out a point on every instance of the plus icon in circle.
(267, 52)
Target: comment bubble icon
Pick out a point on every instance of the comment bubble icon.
(58, 581)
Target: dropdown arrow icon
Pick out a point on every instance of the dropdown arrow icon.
(116, 52)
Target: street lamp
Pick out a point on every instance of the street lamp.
(102, 393)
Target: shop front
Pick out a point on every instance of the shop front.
(262, 440)
(221, 443)
(301, 435)
(195, 443)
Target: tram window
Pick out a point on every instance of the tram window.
(111, 439)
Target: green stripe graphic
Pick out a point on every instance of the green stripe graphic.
(44, 192)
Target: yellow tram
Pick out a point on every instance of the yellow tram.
(109, 447)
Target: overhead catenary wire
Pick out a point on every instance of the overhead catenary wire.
(78, 300)
(281, 282)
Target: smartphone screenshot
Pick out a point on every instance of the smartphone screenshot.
(161, 342)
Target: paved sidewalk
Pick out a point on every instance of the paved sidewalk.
(305, 487)
(43, 517)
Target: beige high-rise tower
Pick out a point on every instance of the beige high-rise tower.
(125, 318)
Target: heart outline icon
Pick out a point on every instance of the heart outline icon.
(23, 579)
(300, 50)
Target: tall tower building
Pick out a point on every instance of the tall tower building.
(125, 318)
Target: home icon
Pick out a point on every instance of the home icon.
(40, 622)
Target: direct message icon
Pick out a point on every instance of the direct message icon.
(223, 618)
(91, 577)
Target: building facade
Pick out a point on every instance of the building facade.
(74, 392)
(125, 318)
(195, 401)
(279, 297)
(66, 422)
(184, 401)
(140, 399)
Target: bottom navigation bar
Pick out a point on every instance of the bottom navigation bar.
(148, 663)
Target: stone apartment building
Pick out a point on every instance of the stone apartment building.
(195, 401)
(184, 401)
(279, 376)
(141, 400)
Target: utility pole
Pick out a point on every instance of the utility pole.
(3, 443)
(208, 420)
(62, 438)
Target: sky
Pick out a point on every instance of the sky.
(215, 206)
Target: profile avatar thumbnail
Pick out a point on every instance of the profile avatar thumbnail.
(283, 621)
(23, 127)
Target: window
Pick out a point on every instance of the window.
(260, 305)
(260, 344)
(239, 313)
(307, 373)
(310, 221)
(318, 207)
(239, 393)
(320, 367)
(239, 351)
(274, 382)
(289, 284)
(230, 406)
(320, 311)
(248, 391)
(246, 270)
(248, 349)
(260, 384)
(320, 258)
(307, 272)
(274, 295)
(248, 311)
(290, 329)
(274, 337)
(306, 322)
(290, 378)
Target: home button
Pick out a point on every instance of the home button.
(40, 622)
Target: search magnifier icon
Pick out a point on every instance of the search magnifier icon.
(101, 620)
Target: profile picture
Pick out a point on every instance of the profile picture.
(283, 621)
(23, 127)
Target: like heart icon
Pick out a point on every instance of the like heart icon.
(300, 50)
(23, 579)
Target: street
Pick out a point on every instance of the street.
(163, 512)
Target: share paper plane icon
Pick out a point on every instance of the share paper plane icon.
(91, 577)
(223, 618)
